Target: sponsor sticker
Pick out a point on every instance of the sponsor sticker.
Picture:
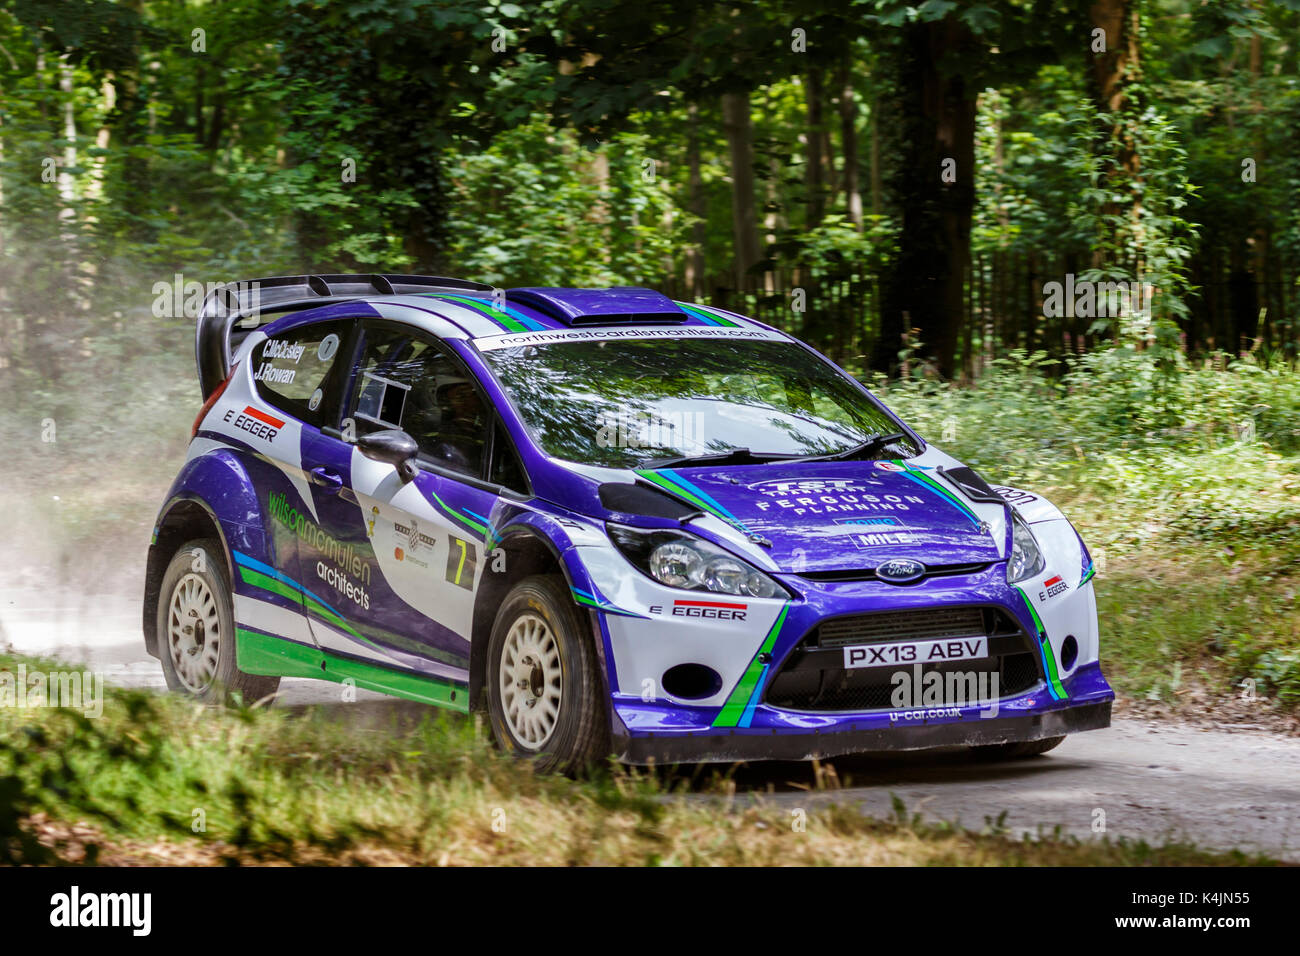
(401, 555)
(713, 610)
(257, 423)
(877, 539)
(828, 496)
(1052, 587)
(1015, 496)
(889, 466)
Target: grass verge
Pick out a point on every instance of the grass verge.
(157, 779)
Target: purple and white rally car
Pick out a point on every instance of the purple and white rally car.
(617, 523)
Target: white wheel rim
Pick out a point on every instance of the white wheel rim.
(193, 633)
(531, 681)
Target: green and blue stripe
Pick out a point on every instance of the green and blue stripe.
(925, 481)
(260, 653)
(708, 317)
(588, 599)
(1054, 686)
(738, 711)
(510, 319)
(692, 493)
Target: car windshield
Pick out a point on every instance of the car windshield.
(629, 403)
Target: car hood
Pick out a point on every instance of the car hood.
(841, 516)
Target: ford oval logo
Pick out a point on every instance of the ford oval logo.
(900, 571)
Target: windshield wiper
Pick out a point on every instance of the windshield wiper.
(871, 445)
(732, 456)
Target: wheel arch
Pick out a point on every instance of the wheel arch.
(184, 518)
(527, 551)
(216, 475)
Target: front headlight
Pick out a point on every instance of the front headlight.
(1026, 559)
(681, 560)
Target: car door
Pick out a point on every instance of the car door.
(270, 410)
(404, 559)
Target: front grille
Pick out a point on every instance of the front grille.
(920, 625)
(869, 574)
(813, 677)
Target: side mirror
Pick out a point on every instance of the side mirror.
(394, 447)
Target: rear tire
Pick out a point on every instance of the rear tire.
(1017, 750)
(546, 699)
(196, 629)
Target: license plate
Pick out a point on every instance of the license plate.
(915, 652)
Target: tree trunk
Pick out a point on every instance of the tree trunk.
(129, 124)
(695, 203)
(744, 214)
(1260, 241)
(849, 145)
(875, 156)
(815, 166)
(1113, 75)
(935, 184)
(67, 185)
(103, 137)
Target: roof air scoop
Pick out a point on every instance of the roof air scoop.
(625, 305)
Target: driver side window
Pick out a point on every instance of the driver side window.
(406, 381)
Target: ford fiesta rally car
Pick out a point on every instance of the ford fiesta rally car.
(617, 523)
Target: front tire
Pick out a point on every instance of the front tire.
(196, 629)
(546, 700)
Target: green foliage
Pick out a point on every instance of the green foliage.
(1187, 480)
(538, 209)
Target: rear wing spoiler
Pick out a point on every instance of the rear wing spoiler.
(230, 312)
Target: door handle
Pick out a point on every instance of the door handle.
(330, 481)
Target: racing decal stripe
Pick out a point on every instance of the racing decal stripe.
(273, 619)
(925, 481)
(468, 522)
(324, 612)
(264, 568)
(591, 600)
(259, 653)
(709, 317)
(1054, 686)
(675, 484)
(442, 664)
(259, 580)
(491, 536)
(738, 711)
(512, 320)
(264, 576)
(1088, 574)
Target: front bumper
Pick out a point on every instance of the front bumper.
(749, 745)
(653, 733)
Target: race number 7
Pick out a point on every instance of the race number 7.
(461, 559)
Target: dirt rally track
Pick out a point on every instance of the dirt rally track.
(1153, 780)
